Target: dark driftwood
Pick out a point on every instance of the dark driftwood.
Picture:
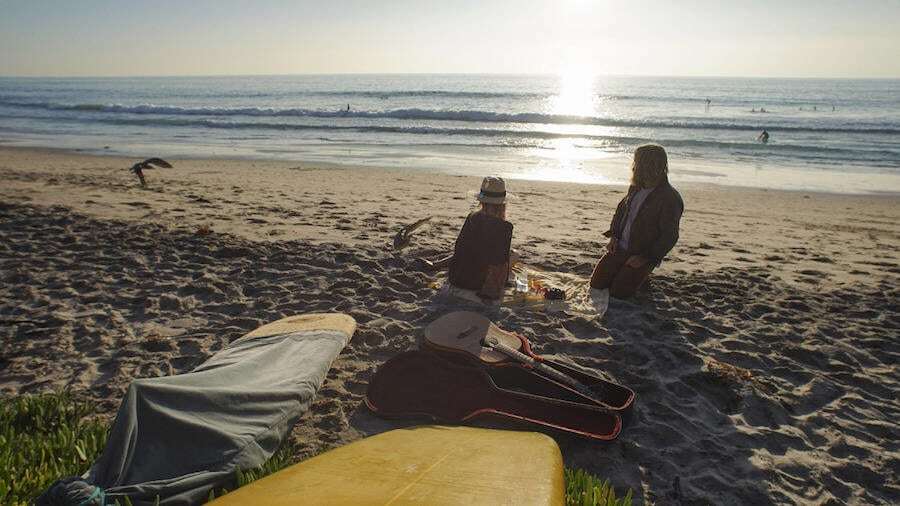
(403, 237)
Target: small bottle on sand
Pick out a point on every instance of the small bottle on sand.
(521, 283)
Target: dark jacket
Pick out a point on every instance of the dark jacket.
(483, 241)
(655, 229)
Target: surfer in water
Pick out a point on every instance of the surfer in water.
(763, 137)
(481, 256)
(644, 227)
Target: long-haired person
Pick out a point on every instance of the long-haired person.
(644, 228)
(480, 259)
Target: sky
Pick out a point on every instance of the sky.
(761, 38)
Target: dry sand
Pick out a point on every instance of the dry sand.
(104, 281)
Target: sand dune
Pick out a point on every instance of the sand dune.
(764, 353)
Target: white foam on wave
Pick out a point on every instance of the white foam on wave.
(461, 115)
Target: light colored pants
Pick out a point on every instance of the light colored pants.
(449, 290)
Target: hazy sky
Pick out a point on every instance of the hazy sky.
(792, 38)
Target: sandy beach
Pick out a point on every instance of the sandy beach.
(763, 352)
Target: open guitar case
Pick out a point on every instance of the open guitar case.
(450, 386)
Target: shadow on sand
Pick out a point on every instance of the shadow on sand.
(97, 303)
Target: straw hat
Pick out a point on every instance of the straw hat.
(493, 191)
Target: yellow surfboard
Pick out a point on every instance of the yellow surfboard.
(433, 465)
(313, 321)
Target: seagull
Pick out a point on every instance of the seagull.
(149, 163)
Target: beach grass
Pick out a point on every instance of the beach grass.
(49, 436)
(585, 489)
(43, 438)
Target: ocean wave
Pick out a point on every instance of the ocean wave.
(351, 95)
(511, 137)
(465, 116)
(361, 94)
(427, 94)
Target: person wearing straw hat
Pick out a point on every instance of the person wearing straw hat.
(480, 260)
(644, 228)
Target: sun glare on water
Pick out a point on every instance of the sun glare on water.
(564, 158)
(576, 95)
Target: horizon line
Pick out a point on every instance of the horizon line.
(522, 74)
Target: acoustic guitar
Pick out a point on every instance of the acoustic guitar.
(476, 335)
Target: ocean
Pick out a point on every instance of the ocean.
(825, 135)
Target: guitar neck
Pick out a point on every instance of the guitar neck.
(544, 368)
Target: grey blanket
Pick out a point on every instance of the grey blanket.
(177, 437)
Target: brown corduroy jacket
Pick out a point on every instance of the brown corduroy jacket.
(654, 231)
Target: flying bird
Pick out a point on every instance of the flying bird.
(150, 163)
